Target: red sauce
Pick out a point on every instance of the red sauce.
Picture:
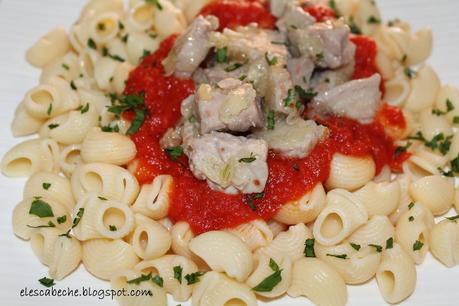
(392, 116)
(233, 13)
(289, 179)
(320, 12)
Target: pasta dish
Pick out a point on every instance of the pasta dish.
(224, 151)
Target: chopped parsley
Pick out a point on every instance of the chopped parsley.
(309, 248)
(92, 44)
(271, 60)
(47, 282)
(250, 203)
(296, 167)
(112, 228)
(101, 26)
(271, 120)
(455, 218)
(53, 126)
(353, 26)
(268, 284)
(136, 103)
(50, 109)
(401, 149)
(417, 245)
(178, 273)
(109, 129)
(193, 278)
(66, 235)
(84, 109)
(222, 55)
(377, 247)
(41, 209)
(411, 219)
(373, 20)
(65, 66)
(102, 198)
(155, 3)
(233, 67)
(142, 278)
(46, 186)
(340, 256)
(248, 160)
(439, 142)
(174, 152)
(410, 73)
(291, 98)
(158, 280)
(78, 217)
(303, 94)
(411, 205)
(72, 85)
(355, 246)
(61, 219)
(390, 243)
(50, 224)
(449, 108)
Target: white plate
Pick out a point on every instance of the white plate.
(23, 21)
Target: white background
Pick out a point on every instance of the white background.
(23, 21)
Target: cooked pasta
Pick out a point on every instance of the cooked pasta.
(150, 239)
(224, 252)
(343, 214)
(304, 210)
(167, 267)
(223, 151)
(103, 258)
(412, 231)
(111, 148)
(126, 280)
(314, 279)
(215, 289)
(396, 276)
(444, 242)
(50, 185)
(31, 156)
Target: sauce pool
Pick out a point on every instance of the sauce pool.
(191, 200)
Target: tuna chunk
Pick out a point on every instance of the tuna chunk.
(300, 69)
(294, 17)
(230, 164)
(278, 7)
(191, 47)
(326, 43)
(218, 73)
(358, 99)
(279, 84)
(327, 79)
(251, 43)
(295, 139)
(231, 105)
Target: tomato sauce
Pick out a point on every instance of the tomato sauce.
(191, 200)
(320, 12)
(233, 13)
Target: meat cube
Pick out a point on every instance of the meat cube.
(327, 79)
(293, 139)
(279, 85)
(294, 17)
(278, 7)
(231, 105)
(230, 164)
(359, 100)
(300, 69)
(191, 47)
(218, 73)
(327, 43)
(251, 43)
